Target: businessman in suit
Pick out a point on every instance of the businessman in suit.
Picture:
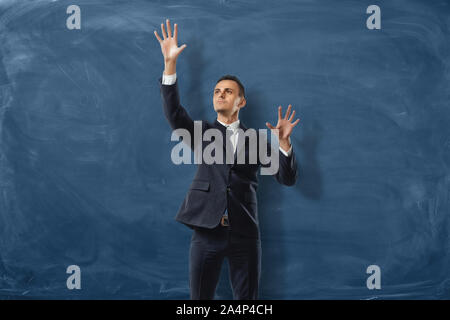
(221, 204)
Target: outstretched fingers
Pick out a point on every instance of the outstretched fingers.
(269, 126)
(175, 32)
(295, 123)
(167, 34)
(169, 28)
(182, 47)
(292, 116)
(287, 112)
(157, 36)
(163, 31)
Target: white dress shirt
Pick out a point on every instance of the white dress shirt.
(171, 79)
(234, 135)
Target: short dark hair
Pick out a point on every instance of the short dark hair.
(234, 78)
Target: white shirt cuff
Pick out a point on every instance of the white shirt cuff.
(169, 79)
(289, 152)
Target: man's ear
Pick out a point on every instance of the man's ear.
(242, 103)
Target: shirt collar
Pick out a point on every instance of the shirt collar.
(231, 126)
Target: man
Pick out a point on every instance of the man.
(221, 205)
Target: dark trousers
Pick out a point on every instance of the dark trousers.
(208, 249)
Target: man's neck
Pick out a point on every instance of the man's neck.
(227, 119)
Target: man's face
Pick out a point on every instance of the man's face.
(226, 97)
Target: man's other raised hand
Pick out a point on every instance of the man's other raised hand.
(169, 46)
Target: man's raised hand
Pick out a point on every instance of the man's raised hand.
(169, 46)
(284, 126)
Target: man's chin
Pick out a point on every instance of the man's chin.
(220, 109)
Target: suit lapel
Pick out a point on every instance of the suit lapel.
(222, 129)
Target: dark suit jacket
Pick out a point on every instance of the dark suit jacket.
(219, 186)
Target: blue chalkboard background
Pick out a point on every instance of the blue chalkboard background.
(86, 176)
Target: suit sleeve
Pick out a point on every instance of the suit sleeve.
(287, 173)
(176, 115)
